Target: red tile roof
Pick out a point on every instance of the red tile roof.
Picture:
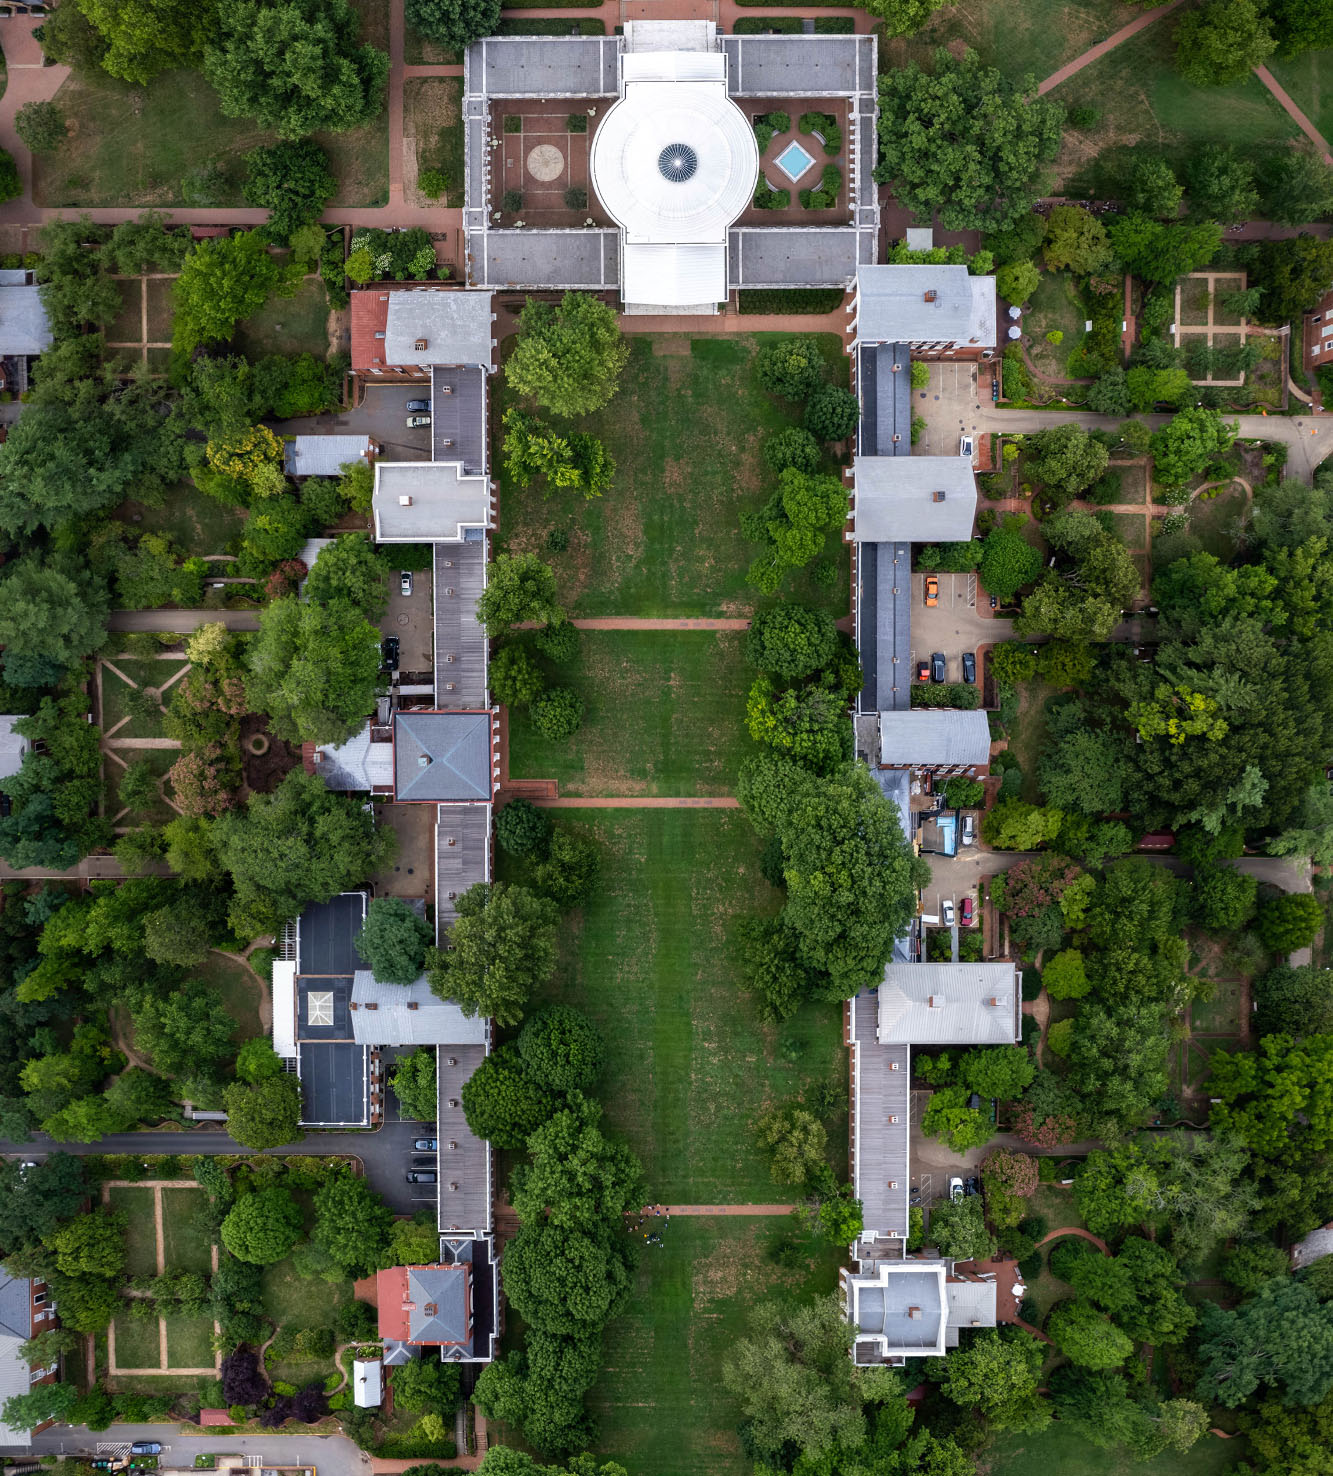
(370, 315)
(391, 1286)
(214, 1417)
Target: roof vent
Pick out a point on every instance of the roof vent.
(896, 438)
(930, 294)
(446, 441)
(893, 1183)
(993, 1002)
(449, 686)
(453, 1187)
(451, 657)
(452, 841)
(453, 1060)
(447, 563)
(355, 1006)
(380, 333)
(449, 594)
(420, 344)
(896, 368)
(451, 895)
(423, 760)
(446, 389)
(404, 502)
(371, 1005)
(452, 1143)
(384, 297)
(453, 1101)
(937, 496)
(893, 1117)
(935, 1001)
(893, 1065)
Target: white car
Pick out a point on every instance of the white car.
(955, 1188)
(946, 913)
(405, 583)
(969, 831)
(965, 447)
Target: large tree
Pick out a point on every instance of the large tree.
(453, 23)
(295, 66)
(349, 571)
(1221, 41)
(1066, 460)
(576, 1176)
(145, 37)
(1076, 241)
(519, 587)
(187, 1033)
(503, 1102)
(998, 1373)
(224, 279)
(263, 1226)
(568, 356)
(51, 611)
(963, 143)
(1282, 1337)
(291, 181)
(299, 844)
(569, 1282)
(351, 1224)
(501, 948)
(393, 941)
(265, 1115)
(1188, 442)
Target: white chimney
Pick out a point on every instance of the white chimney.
(404, 502)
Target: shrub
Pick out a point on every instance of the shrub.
(558, 643)
(433, 183)
(831, 413)
(826, 127)
(557, 713)
(1060, 1037)
(522, 829)
(790, 299)
(576, 198)
(576, 123)
(511, 201)
(791, 368)
(515, 678)
(513, 123)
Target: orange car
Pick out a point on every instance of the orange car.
(932, 590)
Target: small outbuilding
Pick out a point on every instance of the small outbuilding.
(367, 1383)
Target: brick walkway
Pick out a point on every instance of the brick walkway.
(1095, 53)
(646, 802)
(718, 1209)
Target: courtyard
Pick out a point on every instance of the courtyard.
(539, 174)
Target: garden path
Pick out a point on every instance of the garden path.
(1076, 1230)
(1285, 102)
(1095, 53)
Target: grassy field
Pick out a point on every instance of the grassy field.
(433, 121)
(1309, 80)
(1061, 1451)
(188, 1247)
(1027, 734)
(194, 523)
(293, 1301)
(685, 429)
(239, 990)
(665, 715)
(660, 1404)
(288, 325)
(1143, 100)
(190, 1342)
(138, 1342)
(653, 960)
(140, 1232)
(1215, 522)
(1055, 306)
(116, 695)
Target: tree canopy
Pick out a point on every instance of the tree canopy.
(569, 355)
(501, 948)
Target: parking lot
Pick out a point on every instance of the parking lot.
(949, 405)
(411, 619)
(954, 625)
(382, 415)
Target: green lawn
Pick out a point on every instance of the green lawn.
(685, 429)
(127, 325)
(160, 309)
(1061, 1451)
(288, 325)
(140, 1230)
(116, 696)
(659, 1404)
(190, 1342)
(195, 523)
(239, 990)
(665, 715)
(1309, 80)
(1132, 528)
(138, 1342)
(188, 1247)
(159, 760)
(433, 118)
(294, 1301)
(1144, 101)
(1216, 522)
(653, 959)
(1054, 306)
(1027, 733)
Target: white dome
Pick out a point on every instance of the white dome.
(674, 162)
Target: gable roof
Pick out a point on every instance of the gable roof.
(442, 755)
(409, 1016)
(15, 1306)
(914, 499)
(895, 303)
(12, 746)
(323, 456)
(934, 735)
(950, 1004)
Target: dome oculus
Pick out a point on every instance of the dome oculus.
(677, 162)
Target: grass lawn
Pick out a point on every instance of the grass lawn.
(665, 715)
(116, 696)
(239, 989)
(159, 309)
(1132, 528)
(288, 325)
(1061, 1451)
(188, 1247)
(127, 325)
(1223, 287)
(1194, 297)
(1309, 80)
(138, 1343)
(659, 1404)
(1144, 101)
(1133, 480)
(1037, 37)
(653, 960)
(1027, 733)
(195, 523)
(130, 145)
(1219, 1015)
(433, 121)
(685, 430)
(293, 1301)
(159, 760)
(190, 1342)
(140, 1230)
(419, 50)
(1054, 306)
(1216, 522)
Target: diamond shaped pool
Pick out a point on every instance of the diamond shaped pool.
(794, 161)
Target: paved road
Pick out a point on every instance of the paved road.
(334, 1455)
(384, 1152)
(182, 620)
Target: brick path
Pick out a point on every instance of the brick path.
(635, 622)
(719, 1209)
(1095, 53)
(1076, 1230)
(645, 802)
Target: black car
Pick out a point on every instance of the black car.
(994, 602)
(389, 653)
(419, 1176)
(424, 1145)
(145, 1447)
(417, 405)
(969, 666)
(937, 667)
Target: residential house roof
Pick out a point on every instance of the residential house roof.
(428, 501)
(394, 1015)
(426, 1305)
(1312, 1247)
(370, 321)
(881, 1082)
(361, 765)
(462, 857)
(950, 1004)
(924, 304)
(438, 325)
(24, 329)
(898, 1309)
(12, 746)
(15, 1329)
(915, 499)
(323, 456)
(460, 639)
(442, 755)
(937, 736)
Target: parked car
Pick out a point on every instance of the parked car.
(932, 590)
(955, 1188)
(145, 1447)
(923, 671)
(969, 666)
(946, 913)
(969, 831)
(405, 582)
(417, 405)
(389, 653)
(965, 914)
(994, 603)
(937, 666)
(995, 387)
(413, 421)
(965, 447)
(419, 1176)
(425, 1145)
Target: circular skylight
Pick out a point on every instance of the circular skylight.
(677, 161)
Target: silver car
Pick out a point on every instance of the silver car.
(946, 913)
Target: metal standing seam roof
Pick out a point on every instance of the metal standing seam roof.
(323, 456)
(915, 499)
(585, 258)
(394, 1015)
(885, 428)
(935, 736)
(800, 66)
(970, 1304)
(367, 1382)
(442, 755)
(360, 765)
(12, 746)
(333, 1083)
(950, 1004)
(428, 501)
(284, 1007)
(326, 934)
(465, 1165)
(24, 329)
(880, 1153)
(884, 625)
(894, 304)
(458, 417)
(460, 639)
(15, 1379)
(453, 323)
(542, 66)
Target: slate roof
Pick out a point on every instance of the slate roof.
(442, 755)
(454, 323)
(938, 736)
(793, 256)
(886, 400)
(917, 499)
(892, 305)
(884, 625)
(12, 747)
(547, 66)
(950, 1004)
(409, 1016)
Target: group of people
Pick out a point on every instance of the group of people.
(655, 1212)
